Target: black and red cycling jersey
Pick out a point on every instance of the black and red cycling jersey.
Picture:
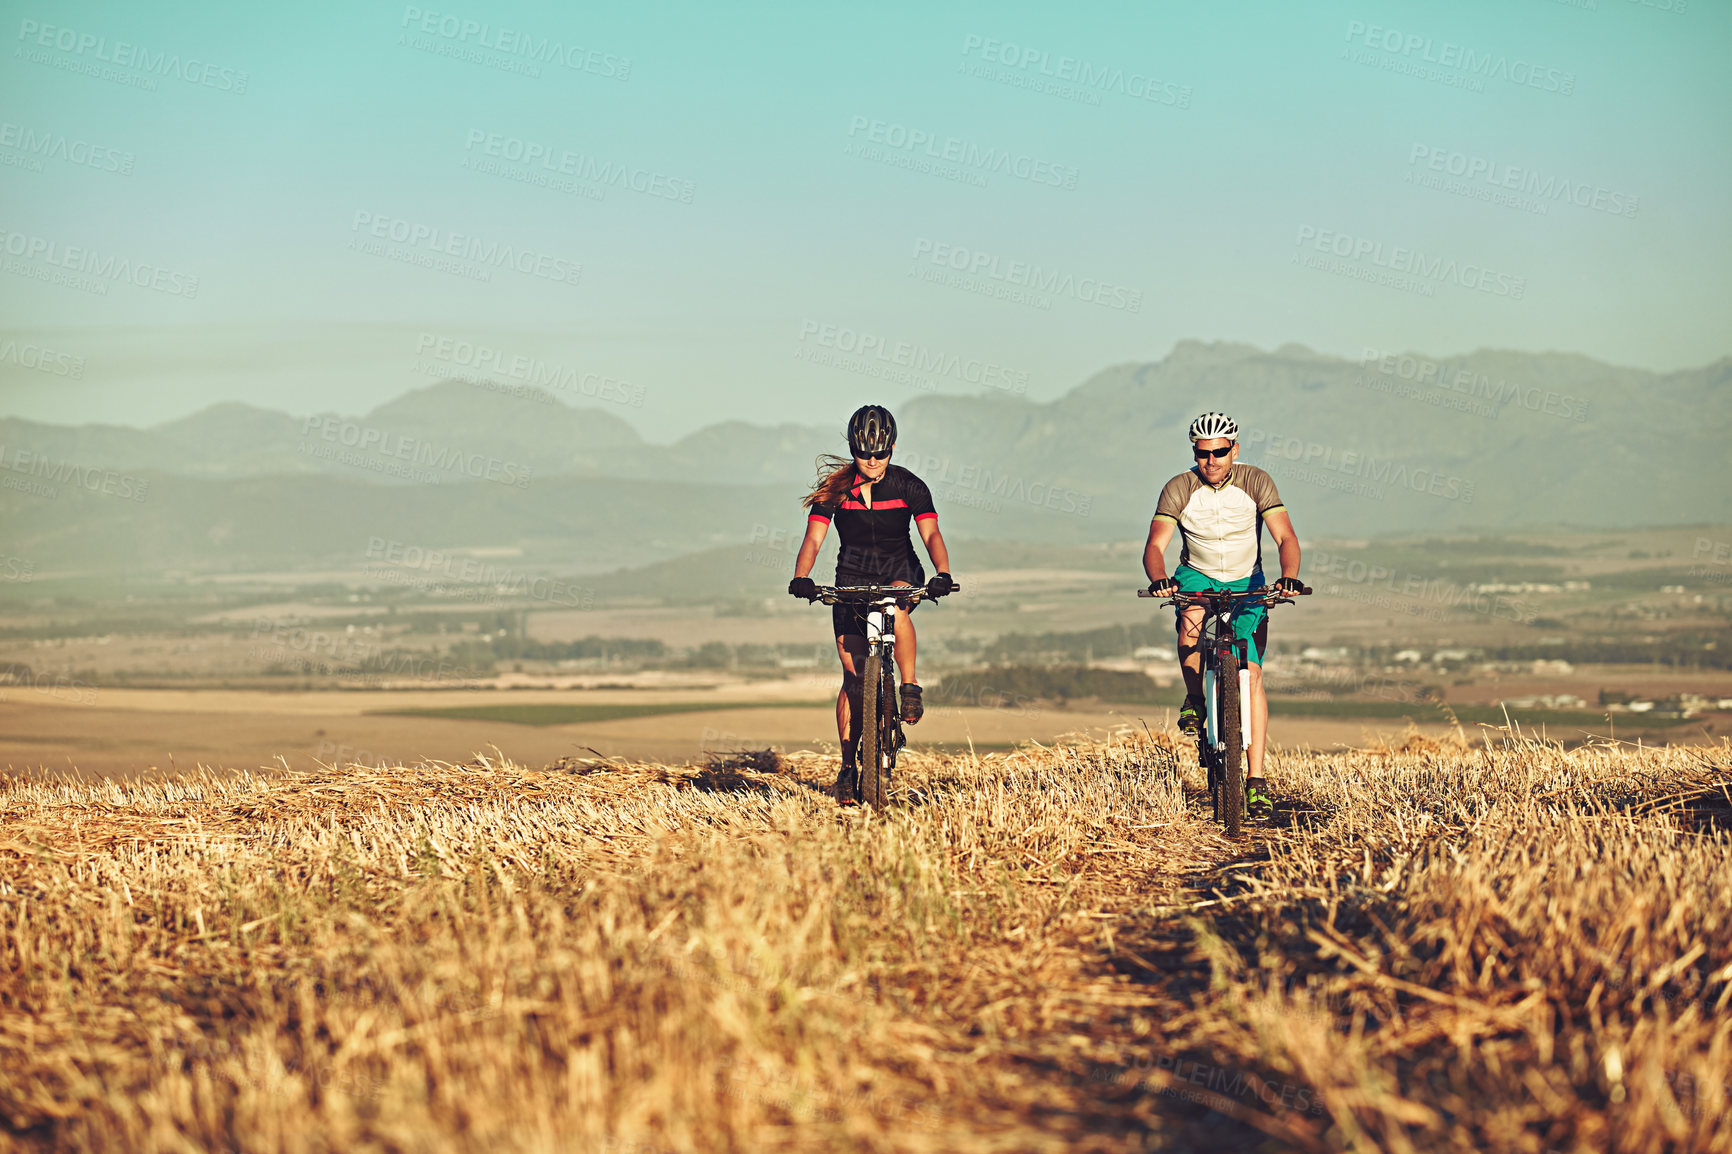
(875, 542)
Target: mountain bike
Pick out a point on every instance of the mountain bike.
(880, 717)
(1221, 747)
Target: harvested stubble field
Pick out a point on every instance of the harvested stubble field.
(1514, 948)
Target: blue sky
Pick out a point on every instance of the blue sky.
(1121, 176)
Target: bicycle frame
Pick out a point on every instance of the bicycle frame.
(1222, 752)
(880, 715)
(881, 626)
(1215, 641)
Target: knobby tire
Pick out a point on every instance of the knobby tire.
(890, 743)
(871, 760)
(1233, 757)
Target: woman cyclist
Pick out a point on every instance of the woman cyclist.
(871, 502)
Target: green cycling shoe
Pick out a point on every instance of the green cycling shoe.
(1191, 716)
(1259, 802)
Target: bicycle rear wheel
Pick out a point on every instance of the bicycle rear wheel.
(871, 775)
(1227, 727)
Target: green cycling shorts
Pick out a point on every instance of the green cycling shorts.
(1249, 624)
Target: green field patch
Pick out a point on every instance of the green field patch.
(556, 713)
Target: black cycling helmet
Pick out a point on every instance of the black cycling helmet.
(871, 430)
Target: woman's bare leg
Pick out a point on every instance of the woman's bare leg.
(905, 646)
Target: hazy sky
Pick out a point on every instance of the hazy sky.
(1014, 195)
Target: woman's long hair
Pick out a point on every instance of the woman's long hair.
(835, 479)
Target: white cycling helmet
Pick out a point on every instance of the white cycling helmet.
(1211, 425)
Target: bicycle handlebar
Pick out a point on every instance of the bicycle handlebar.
(908, 594)
(1267, 594)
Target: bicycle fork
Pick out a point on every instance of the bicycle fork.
(1215, 732)
(1213, 709)
(881, 640)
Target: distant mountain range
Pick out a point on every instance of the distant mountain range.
(1491, 440)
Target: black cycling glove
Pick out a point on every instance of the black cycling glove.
(803, 587)
(1165, 587)
(940, 585)
(1290, 586)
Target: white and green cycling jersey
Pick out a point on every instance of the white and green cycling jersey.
(1221, 525)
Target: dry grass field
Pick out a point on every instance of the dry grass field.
(1517, 948)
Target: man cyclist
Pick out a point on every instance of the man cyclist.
(872, 504)
(1220, 509)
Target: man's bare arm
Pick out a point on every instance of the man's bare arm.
(1154, 553)
(1280, 527)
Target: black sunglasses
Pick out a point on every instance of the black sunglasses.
(873, 456)
(1201, 453)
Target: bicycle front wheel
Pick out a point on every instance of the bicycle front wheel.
(871, 776)
(1227, 726)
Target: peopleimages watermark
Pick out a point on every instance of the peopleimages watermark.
(773, 548)
(958, 692)
(1216, 1085)
(443, 566)
(281, 640)
(1019, 281)
(1676, 7)
(790, 1092)
(1396, 266)
(1718, 555)
(40, 475)
(1513, 186)
(486, 384)
(1350, 470)
(562, 170)
(507, 49)
(87, 269)
(382, 451)
(338, 753)
(1311, 683)
(977, 486)
(1066, 77)
(1397, 387)
(901, 362)
(953, 158)
(532, 372)
(460, 254)
(29, 355)
(31, 146)
(1719, 552)
(132, 64)
(1416, 594)
(1430, 381)
(59, 686)
(1447, 62)
(777, 549)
